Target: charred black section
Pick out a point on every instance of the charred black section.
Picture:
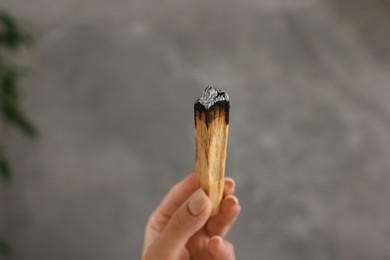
(219, 109)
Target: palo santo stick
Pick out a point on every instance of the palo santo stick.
(211, 134)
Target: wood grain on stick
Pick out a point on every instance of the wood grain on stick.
(211, 134)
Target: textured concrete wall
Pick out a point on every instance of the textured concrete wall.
(112, 88)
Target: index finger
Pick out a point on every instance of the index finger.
(178, 194)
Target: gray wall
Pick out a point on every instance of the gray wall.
(111, 89)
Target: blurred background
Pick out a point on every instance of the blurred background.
(111, 86)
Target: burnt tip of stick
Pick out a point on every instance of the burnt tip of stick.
(211, 101)
(212, 95)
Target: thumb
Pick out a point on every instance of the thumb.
(186, 221)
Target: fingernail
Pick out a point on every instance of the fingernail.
(198, 202)
(232, 199)
(232, 183)
(217, 239)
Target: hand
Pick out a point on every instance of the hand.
(180, 227)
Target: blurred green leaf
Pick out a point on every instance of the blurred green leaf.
(5, 168)
(27, 127)
(11, 111)
(5, 248)
(9, 100)
(8, 81)
(11, 36)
